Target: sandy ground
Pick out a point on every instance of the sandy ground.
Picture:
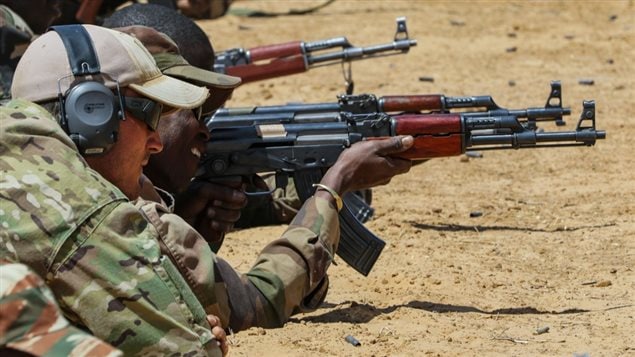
(555, 246)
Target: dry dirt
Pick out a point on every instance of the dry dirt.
(555, 246)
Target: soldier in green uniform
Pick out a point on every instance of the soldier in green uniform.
(74, 228)
(133, 274)
(171, 170)
(210, 208)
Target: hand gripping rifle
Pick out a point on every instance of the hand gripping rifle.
(283, 59)
(306, 148)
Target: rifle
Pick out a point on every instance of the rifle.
(298, 56)
(305, 148)
(369, 103)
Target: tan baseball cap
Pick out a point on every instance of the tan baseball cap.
(123, 58)
(171, 63)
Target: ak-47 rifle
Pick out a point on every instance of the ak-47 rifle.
(483, 105)
(305, 148)
(283, 59)
(369, 103)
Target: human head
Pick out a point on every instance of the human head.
(193, 43)
(38, 14)
(44, 73)
(183, 135)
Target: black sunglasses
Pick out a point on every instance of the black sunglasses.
(144, 109)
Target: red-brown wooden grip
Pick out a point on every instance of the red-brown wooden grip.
(275, 51)
(427, 124)
(436, 135)
(255, 72)
(411, 103)
(427, 147)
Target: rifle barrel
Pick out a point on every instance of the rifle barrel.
(352, 53)
(324, 44)
(530, 139)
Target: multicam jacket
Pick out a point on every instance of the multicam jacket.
(138, 277)
(33, 323)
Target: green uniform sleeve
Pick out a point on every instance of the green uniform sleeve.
(289, 275)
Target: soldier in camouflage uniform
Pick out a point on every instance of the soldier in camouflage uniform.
(135, 275)
(95, 250)
(31, 321)
(19, 23)
(171, 170)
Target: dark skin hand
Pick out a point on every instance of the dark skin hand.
(367, 164)
(219, 333)
(212, 208)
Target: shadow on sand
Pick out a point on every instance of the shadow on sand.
(478, 228)
(361, 313)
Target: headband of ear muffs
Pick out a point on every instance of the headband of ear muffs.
(90, 111)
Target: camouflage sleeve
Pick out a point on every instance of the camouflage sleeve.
(289, 275)
(112, 277)
(33, 323)
(291, 271)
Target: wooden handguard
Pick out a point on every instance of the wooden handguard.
(275, 51)
(281, 67)
(411, 103)
(437, 136)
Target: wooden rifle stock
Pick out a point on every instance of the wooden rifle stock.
(276, 68)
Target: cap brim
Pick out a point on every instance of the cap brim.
(172, 92)
(203, 77)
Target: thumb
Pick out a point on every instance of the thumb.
(395, 145)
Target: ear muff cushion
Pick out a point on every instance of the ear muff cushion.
(92, 116)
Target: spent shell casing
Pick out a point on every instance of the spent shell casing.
(352, 340)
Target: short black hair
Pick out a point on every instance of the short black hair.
(193, 43)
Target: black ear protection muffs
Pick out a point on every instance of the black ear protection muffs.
(90, 111)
